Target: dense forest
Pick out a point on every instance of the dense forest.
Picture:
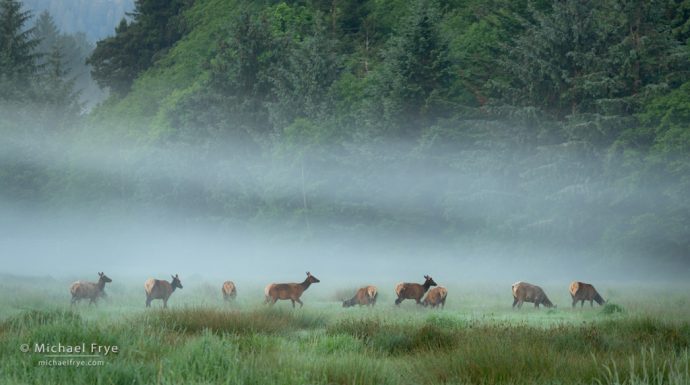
(559, 124)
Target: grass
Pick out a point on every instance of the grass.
(201, 340)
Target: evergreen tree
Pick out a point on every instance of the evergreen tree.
(58, 97)
(47, 32)
(156, 25)
(17, 50)
(416, 73)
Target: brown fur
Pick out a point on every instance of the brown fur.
(291, 291)
(415, 291)
(436, 296)
(581, 291)
(82, 289)
(229, 290)
(365, 296)
(526, 292)
(160, 289)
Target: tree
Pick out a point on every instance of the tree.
(156, 25)
(416, 73)
(18, 60)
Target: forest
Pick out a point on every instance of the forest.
(531, 124)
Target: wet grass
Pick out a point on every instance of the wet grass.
(323, 343)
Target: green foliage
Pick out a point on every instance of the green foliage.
(156, 25)
(611, 308)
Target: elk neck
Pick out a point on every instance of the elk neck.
(305, 284)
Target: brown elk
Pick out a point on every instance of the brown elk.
(581, 291)
(436, 296)
(365, 296)
(415, 291)
(291, 291)
(526, 292)
(160, 289)
(90, 290)
(229, 290)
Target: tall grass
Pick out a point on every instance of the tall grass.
(323, 343)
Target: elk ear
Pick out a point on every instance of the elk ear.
(173, 277)
(100, 274)
(426, 277)
(308, 273)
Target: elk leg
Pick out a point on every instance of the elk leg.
(165, 303)
(515, 301)
(591, 303)
(148, 301)
(397, 301)
(520, 302)
(574, 302)
(300, 302)
(293, 303)
(582, 303)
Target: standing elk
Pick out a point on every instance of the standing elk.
(581, 291)
(405, 290)
(229, 290)
(90, 290)
(526, 292)
(364, 296)
(160, 289)
(291, 291)
(436, 296)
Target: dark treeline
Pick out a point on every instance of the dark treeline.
(562, 124)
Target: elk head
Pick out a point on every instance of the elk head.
(176, 281)
(311, 278)
(104, 278)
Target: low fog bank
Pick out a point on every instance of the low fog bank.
(390, 212)
(68, 245)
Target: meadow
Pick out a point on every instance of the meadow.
(640, 337)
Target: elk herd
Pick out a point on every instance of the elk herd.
(365, 296)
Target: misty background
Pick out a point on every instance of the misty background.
(364, 141)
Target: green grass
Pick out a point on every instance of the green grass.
(201, 340)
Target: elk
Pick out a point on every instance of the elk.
(160, 289)
(436, 296)
(405, 290)
(526, 292)
(291, 291)
(364, 296)
(581, 291)
(90, 290)
(229, 290)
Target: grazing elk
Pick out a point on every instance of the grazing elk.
(365, 296)
(229, 290)
(526, 292)
(90, 290)
(291, 291)
(160, 289)
(581, 291)
(415, 291)
(436, 296)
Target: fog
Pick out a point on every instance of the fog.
(370, 213)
